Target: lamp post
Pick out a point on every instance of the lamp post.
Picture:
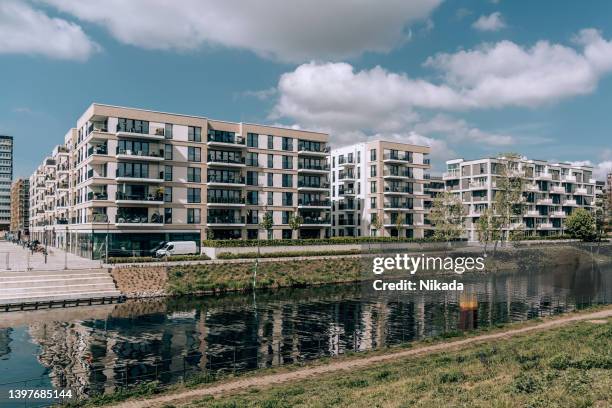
(66, 248)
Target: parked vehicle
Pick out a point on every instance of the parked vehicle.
(177, 248)
(157, 247)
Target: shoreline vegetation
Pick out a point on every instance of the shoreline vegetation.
(563, 360)
(237, 276)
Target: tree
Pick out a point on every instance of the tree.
(267, 222)
(446, 216)
(399, 225)
(486, 227)
(580, 224)
(295, 222)
(601, 216)
(508, 202)
(377, 224)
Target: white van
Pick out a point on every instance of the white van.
(177, 248)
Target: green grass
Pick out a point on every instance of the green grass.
(565, 367)
(287, 254)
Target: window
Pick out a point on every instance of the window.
(252, 159)
(270, 161)
(194, 174)
(287, 180)
(167, 173)
(168, 152)
(194, 154)
(194, 134)
(168, 194)
(253, 197)
(270, 180)
(287, 199)
(287, 162)
(373, 170)
(193, 216)
(132, 126)
(252, 217)
(252, 140)
(373, 155)
(168, 131)
(286, 217)
(270, 198)
(287, 144)
(359, 156)
(270, 142)
(373, 202)
(372, 186)
(167, 215)
(287, 233)
(193, 195)
(251, 179)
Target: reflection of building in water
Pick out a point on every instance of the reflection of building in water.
(5, 340)
(468, 311)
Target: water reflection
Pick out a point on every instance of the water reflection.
(96, 349)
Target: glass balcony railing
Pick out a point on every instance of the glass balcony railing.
(226, 138)
(225, 180)
(138, 219)
(315, 220)
(229, 160)
(312, 185)
(309, 166)
(314, 203)
(229, 219)
(96, 196)
(225, 200)
(138, 197)
(139, 153)
(97, 150)
(398, 157)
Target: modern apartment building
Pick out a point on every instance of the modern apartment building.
(6, 179)
(434, 186)
(551, 191)
(20, 207)
(378, 180)
(141, 177)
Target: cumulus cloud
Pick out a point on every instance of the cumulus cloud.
(460, 131)
(287, 30)
(492, 22)
(24, 30)
(600, 170)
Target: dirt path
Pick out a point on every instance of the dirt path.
(273, 379)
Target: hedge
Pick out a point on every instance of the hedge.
(143, 259)
(288, 254)
(225, 243)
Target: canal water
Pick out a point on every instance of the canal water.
(99, 348)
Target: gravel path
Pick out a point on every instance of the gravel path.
(348, 364)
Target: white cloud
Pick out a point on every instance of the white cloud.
(492, 22)
(600, 170)
(24, 30)
(287, 30)
(458, 130)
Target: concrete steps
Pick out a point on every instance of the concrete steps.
(46, 286)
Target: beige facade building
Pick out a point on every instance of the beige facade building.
(140, 177)
(381, 180)
(20, 207)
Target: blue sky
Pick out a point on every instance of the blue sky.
(469, 78)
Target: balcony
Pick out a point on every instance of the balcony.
(226, 221)
(581, 191)
(398, 205)
(226, 181)
(543, 176)
(568, 178)
(403, 174)
(153, 199)
(532, 187)
(139, 177)
(227, 140)
(345, 175)
(397, 157)
(93, 196)
(313, 186)
(150, 155)
(346, 162)
(313, 150)
(313, 168)
(398, 190)
(478, 186)
(544, 225)
(569, 203)
(544, 201)
(316, 221)
(451, 174)
(137, 220)
(96, 218)
(532, 213)
(214, 160)
(348, 223)
(97, 150)
(313, 203)
(557, 189)
(347, 207)
(225, 201)
(133, 133)
(558, 214)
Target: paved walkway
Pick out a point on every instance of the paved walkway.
(16, 258)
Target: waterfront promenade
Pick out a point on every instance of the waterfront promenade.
(16, 258)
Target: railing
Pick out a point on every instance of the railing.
(346, 175)
(348, 160)
(140, 131)
(226, 180)
(225, 200)
(304, 166)
(214, 159)
(138, 219)
(95, 218)
(119, 173)
(405, 173)
(313, 185)
(140, 153)
(119, 195)
(314, 203)
(347, 222)
(97, 150)
(405, 189)
(398, 204)
(399, 157)
(319, 220)
(225, 220)
(231, 139)
(96, 196)
(342, 206)
(346, 191)
(312, 148)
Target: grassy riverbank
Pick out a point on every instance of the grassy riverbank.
(221, 277)
(549, 366)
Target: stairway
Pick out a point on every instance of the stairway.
(47, 286)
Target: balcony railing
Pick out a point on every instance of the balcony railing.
(312, 185)
(347, 160)
(398, 189)
(139, 153)
(225, 180)
(138, 219)
(397, 156)
(230, 139)
(313, 148)
(305, 166)
(346, 191)
(214, 159)
(314, 203)
(347, 222)
(344, 206)
(225, 200)
(346, 175)
(96, 196)
(121, 196)
(399, 204)
(138, 175)
(405, 173)
(315, 220)
(96, 218)
(97, 150)
(226, 220)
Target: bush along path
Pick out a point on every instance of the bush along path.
(524, 366)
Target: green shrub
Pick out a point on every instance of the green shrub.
(286, 254)
(451, 377)
(145, 259)
(221, 243)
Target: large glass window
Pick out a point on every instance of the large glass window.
(287, 180)
(252, 140)
(252, 197)
(168, 152)
(168, 194)
(168, 132)
(287, 162)
(193, 216)
(167, 215)
(193, 195)
(194, 154)
(132, 126)
(194, 134)
(136, 170)
(194, 174)
(251, 179)
(167, 173)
